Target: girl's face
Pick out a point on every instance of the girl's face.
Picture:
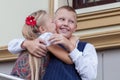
(65, 22)
(49, 24)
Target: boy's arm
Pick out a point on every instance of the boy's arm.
(85, 62)
(60, 53)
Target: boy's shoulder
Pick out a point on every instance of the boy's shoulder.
(81, 45)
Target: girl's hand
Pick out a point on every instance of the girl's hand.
(60, 39)
(36, 47)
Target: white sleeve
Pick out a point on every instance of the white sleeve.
(85, 62)
(45, 37)
(14, 46)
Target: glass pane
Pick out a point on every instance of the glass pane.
(98, 0)
(90, 1)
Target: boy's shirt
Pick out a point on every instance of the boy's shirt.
(85, 62)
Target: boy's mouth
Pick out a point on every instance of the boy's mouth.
(64, 30)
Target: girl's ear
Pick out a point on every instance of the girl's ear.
(42, 29)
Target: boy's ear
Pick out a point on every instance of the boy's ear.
(42, 29)
(75, 28)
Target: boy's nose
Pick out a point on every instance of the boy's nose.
(66, 23)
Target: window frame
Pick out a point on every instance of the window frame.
(98, 8)
(80, 4)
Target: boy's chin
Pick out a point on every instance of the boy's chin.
(65, 35)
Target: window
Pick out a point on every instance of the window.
(87, 3)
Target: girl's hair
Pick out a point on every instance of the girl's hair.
(31, 32)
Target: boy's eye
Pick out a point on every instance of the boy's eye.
(71, 21)
(62, 19)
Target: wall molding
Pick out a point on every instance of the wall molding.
(98, 19)
(102, 21)
(5, 55)
(102, 41)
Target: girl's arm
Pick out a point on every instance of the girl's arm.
(60, 53)
(14, 46)
(35, 47)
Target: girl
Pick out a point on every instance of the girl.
(28, 66)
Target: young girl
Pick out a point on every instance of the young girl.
(28, 66)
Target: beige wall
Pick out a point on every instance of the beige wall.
(12, 15)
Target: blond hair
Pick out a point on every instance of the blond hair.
(30, 33)
(68, 8)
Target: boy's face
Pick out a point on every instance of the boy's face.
(65, 22)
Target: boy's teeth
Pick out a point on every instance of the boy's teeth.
(64, 30)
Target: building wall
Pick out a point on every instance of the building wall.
(108, 67)
(12, 16)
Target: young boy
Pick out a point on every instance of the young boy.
(85, 62)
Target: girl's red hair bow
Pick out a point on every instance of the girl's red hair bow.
(30, 20)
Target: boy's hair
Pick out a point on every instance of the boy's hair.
(69, 8)
(31, 32)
